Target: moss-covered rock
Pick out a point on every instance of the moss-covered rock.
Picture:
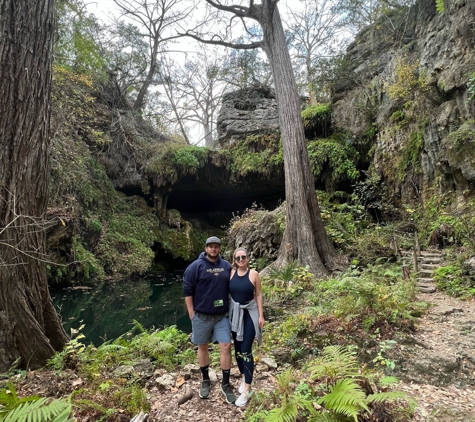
(177, 237)
(259, 232)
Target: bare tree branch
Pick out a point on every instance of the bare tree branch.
(237, 46)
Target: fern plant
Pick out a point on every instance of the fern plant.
(32, 408)
(334, 363)
(340, 371)
(345, 397)
(335, 389)
(288, 410)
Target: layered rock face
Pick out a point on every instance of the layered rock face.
(409, 79)
(247, 112)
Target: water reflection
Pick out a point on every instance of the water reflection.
(109, 310)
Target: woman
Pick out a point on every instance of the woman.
(247, 318)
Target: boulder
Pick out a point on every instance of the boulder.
(247, 112)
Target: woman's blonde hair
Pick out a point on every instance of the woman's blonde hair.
(234, 257)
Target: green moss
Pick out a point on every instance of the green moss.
(463, 135)
(334, 160)
(371, 132)
(471, 86)
(315, 114)
(410, 156)
(173, 161)
(190, 158)
(126, 240)
(407, 81)
(177, 237)
(86, 265)
(261, 154)
(398, 116)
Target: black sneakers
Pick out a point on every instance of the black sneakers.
(227, 390)
(204, 390)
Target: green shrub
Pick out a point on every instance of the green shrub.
(378, 293)
(451, 279)
(344, 218)
(285, 283)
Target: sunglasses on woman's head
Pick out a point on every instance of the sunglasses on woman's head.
(240, 258)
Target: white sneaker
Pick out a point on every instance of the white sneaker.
(242, 386)
(243, 398)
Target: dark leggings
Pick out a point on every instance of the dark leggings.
(243, 349)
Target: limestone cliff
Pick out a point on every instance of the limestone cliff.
(408, 83)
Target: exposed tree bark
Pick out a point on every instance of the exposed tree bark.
(305, 240)
(29, 319)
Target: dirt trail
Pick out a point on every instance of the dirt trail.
(437, 362)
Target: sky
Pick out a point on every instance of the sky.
(105, 9)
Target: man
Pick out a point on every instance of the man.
(205, 287)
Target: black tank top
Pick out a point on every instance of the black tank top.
(241, 288)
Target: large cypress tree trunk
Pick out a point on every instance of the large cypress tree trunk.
(305, 240)
(29, 325)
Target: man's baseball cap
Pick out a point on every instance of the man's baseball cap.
(213, 239)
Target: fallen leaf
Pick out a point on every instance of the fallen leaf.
(76, 382)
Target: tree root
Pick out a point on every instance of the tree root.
(187, 395)
(141, 417)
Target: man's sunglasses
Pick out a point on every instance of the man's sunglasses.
(240, 258)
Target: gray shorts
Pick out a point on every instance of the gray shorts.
(205, 331)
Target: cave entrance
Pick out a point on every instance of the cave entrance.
(212, 205)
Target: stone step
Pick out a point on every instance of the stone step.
(425, 273)
(425, 284)
(431, 267)
(431, 260)
(428, 254)
(424, 280)
(424, 259)
(427, 289)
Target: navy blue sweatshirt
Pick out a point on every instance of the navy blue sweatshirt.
(207, 282)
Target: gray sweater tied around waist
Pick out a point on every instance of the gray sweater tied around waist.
(236, 318)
